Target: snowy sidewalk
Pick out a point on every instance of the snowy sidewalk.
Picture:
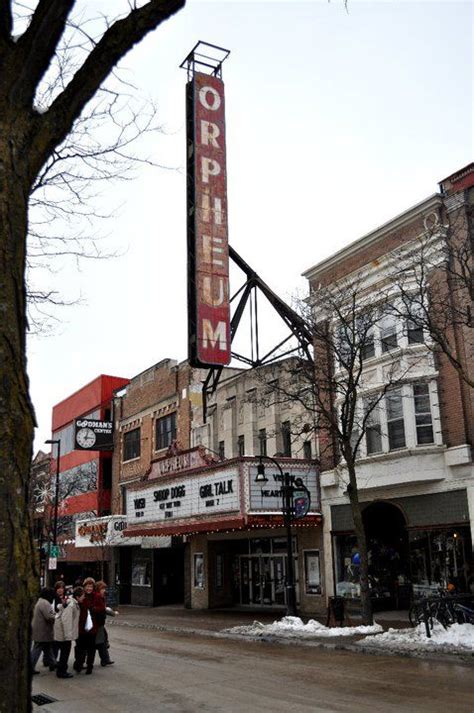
(457, 640)
(383, 638)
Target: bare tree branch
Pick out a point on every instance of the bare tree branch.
(118, 39)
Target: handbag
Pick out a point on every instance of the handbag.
(88, 625)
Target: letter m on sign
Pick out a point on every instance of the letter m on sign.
(208, 247)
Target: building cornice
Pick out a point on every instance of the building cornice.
(408, 216)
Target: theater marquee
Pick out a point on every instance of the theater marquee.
(208, 249)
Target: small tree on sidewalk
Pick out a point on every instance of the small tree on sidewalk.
(340, 401)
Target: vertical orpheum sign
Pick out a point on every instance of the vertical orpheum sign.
(208, 249)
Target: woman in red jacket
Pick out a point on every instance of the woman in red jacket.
(92, 609)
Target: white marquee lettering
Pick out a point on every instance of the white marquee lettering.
(209, 134)
(212, 251)
(209, 167)
(216, 102)
(209, 289)
(216, 210)
(214, 337)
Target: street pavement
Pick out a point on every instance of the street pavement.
(174, 670)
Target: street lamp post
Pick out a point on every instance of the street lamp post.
(56, 495)
(287, 509)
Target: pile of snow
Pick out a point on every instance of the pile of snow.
(459, 638)
(292, 626)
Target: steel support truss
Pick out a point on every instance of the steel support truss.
(248, 294)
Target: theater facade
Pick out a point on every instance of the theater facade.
(234, 549)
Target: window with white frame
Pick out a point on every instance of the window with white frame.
(395, 420)
(388, 332)
(373, 429)
(423, 418)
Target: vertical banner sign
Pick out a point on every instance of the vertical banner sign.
(208, 249)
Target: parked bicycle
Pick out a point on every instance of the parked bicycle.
(445, 608)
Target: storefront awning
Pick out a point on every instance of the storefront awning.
(251, 522)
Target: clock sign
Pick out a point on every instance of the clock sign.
(94, 435)
(86, 438)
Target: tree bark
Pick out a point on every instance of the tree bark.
(27, 139)
(365, 601)
(18, 572)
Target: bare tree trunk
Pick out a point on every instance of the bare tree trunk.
(18, 576)
(365, 601)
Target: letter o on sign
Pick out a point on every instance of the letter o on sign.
(216, 101)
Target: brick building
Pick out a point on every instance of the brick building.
(153, 413)
(232, 527)
(414, 469)
(85, 481)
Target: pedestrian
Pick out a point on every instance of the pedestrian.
(66, 630)
(91, 606)
(102, 638)
(59, 595)
(42, 629)
(60, 600)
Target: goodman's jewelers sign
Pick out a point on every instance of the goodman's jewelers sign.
(268, 497)
(210, 494)
(103, 532)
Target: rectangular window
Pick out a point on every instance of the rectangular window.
(395, 423)
(221, 450)
(286, 438)
(373, 431)
(423, 420)
(262, 442)
(165, 431)
(307, 450)
(388, 332)
(345, 345)
(367, 347)
(414, 333)
(365, 335)
(131, 444)
(241, 445)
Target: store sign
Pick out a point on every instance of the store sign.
(52, 563)
(175, 463)
(93, 435)
(268, 497)
(190, 497)
(103, 532)
(208, 247)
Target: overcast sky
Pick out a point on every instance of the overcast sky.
(336, 122)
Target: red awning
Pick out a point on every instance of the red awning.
(229, 524)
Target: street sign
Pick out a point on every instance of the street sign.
(52, 563)
(54, 552)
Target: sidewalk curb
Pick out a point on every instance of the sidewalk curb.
(462, 657)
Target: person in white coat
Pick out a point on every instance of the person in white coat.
(66, 630)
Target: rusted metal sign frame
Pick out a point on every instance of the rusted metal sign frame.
(209, 342)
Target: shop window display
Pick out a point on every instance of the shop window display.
(441, 557)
